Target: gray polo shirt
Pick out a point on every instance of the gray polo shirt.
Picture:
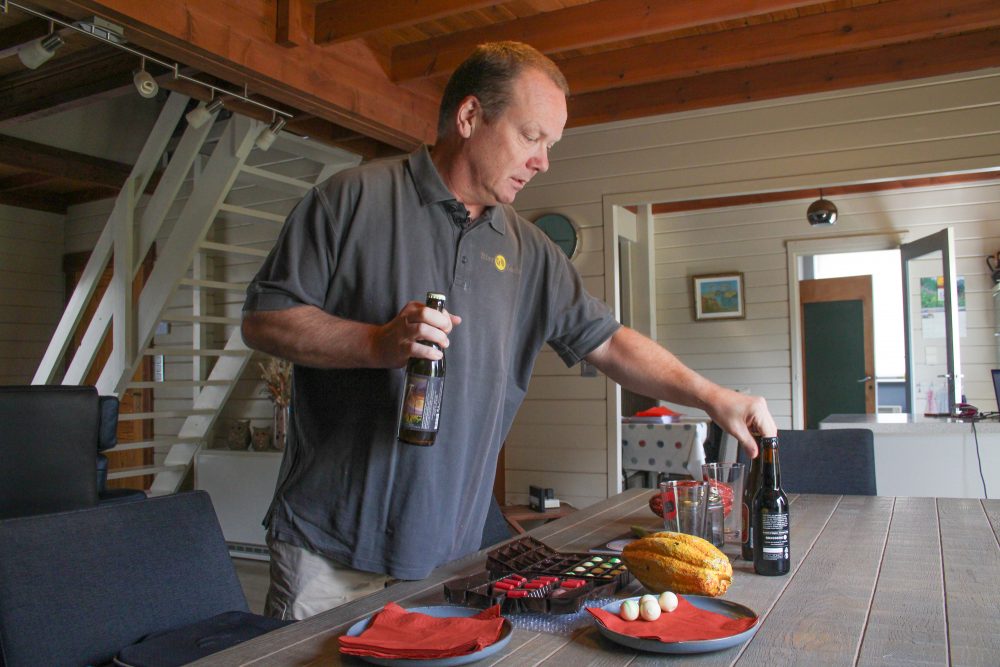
(360, 246)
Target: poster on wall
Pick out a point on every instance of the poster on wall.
(932, 306)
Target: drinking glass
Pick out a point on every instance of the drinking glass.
(725, 482)
(685, 506)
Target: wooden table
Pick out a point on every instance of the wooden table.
(874, 581)
(515, 514)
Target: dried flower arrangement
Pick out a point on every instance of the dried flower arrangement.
(277, 376)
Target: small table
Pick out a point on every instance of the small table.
(676, 449)
(515, 514)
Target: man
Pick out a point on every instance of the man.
(341, 296)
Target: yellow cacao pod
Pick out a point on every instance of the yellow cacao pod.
(680, 563)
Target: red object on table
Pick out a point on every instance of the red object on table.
(684, 624)
(658, 411)
(397, 633)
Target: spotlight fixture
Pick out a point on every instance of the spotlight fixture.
(144, 82)
(821, 212)
(268, 135)
(38, 51)
(201, 113)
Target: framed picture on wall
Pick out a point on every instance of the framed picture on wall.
(718, 296)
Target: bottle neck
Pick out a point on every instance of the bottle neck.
(770, 471)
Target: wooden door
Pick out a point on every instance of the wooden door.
(838, 353)
(132, 400)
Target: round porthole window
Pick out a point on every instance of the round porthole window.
(562, 230)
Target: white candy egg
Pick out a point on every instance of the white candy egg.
(649, 610)
(647, 598)
(667, 601)
(629, 611)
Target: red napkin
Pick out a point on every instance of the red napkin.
(397, 633)
(658, 411)
(684, 624)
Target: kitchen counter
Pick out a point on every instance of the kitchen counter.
(930, 456)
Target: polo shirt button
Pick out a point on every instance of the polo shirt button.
(464, 259)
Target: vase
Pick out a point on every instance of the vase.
(281, 416)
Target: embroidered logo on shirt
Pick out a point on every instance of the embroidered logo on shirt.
(500, 262)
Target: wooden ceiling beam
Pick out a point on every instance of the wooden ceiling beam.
(580, 26)
(235, 42)
(862, 27)
(32, 156)
(52, 203)
(913, 60)
(341, 20)
(97, 73)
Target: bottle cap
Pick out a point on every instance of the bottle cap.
(437, 296)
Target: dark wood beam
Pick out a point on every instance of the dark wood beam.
(23, 181)
(94, 74)
(788, 195)
(577, 27)
(36, 157)
(862, 27)
(52, 203)
(913, 60)
(340, 20)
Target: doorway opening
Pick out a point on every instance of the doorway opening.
(889, 363)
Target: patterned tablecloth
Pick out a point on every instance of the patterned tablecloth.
(675, 449)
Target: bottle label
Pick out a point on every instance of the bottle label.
(774, 535)
(422, 402)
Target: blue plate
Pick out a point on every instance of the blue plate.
(439, 612)
(724, 607)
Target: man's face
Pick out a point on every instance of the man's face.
(508, 151)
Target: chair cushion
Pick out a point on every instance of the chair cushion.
(196, 640)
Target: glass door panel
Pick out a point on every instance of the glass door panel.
(930, 308)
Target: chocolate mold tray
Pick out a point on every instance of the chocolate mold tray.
(546, 581)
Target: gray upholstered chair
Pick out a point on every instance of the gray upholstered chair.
(836, 461)
(145, 583)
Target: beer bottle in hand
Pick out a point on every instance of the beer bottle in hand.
(423, 390)
(749, 489)
(770, 516)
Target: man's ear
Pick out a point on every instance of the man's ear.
(469, 115)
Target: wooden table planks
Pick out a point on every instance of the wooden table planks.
(875, 581)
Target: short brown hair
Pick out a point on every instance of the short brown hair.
(487, 74)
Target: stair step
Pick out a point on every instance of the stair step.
(162, 414)
(203, 319)
(148, 444)
(231, 249)
(139, 471)
(270, 179)
(252, 213)
(191, 352)
(177, 383)
(213, 284)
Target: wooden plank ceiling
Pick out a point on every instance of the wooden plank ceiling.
(366, 75)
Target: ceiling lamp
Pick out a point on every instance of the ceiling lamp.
(269, 134)
(38, 51)
(201, 113)
(144, 82)
(821, 212)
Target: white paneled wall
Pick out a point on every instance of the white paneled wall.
(31, 289)
(917, 128)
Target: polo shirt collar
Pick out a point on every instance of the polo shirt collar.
(431, 188)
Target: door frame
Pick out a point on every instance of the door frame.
(846, 288)
(795, 250)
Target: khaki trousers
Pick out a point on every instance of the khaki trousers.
(303, 583)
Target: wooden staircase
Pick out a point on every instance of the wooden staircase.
(215, 212)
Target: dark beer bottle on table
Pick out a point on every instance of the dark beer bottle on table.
(770, 516)
(423, 390)
(749, 489)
